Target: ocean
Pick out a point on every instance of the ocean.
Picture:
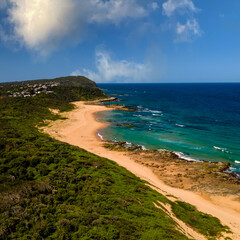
(199, 121)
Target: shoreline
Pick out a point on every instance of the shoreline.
(81, 129)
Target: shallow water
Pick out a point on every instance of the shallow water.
(202, 121)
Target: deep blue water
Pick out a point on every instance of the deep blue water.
(202, 121)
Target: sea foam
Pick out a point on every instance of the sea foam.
(180, 125)
(100, 136)
(221, 149)
(183, 156)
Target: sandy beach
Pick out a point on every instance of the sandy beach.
(80, 129)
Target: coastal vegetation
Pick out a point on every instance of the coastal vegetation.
(52, 190)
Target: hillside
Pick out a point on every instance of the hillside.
(69, 81)
(72, 88)
(52, 190)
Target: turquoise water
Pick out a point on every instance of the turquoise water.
(198, 121)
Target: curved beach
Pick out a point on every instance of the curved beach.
(80, 129)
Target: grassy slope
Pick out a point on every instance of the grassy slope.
(52, 190)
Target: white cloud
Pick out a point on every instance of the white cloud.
(109, 70)
(185, 32)
(43, 25)
(171, 6)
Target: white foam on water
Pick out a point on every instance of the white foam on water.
(236, 161)
(183, 156)
(232, 170)
(180, 125)
(100, 136)
(129, 144)
(143, 147)
(155, 111)
(221, 149)
(143, 109)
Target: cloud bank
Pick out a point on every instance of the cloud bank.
(110, 70)
(43, 25)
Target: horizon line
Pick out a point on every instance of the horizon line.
(164, 82)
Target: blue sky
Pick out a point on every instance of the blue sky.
(121, 40)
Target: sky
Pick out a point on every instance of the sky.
(121, 41)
